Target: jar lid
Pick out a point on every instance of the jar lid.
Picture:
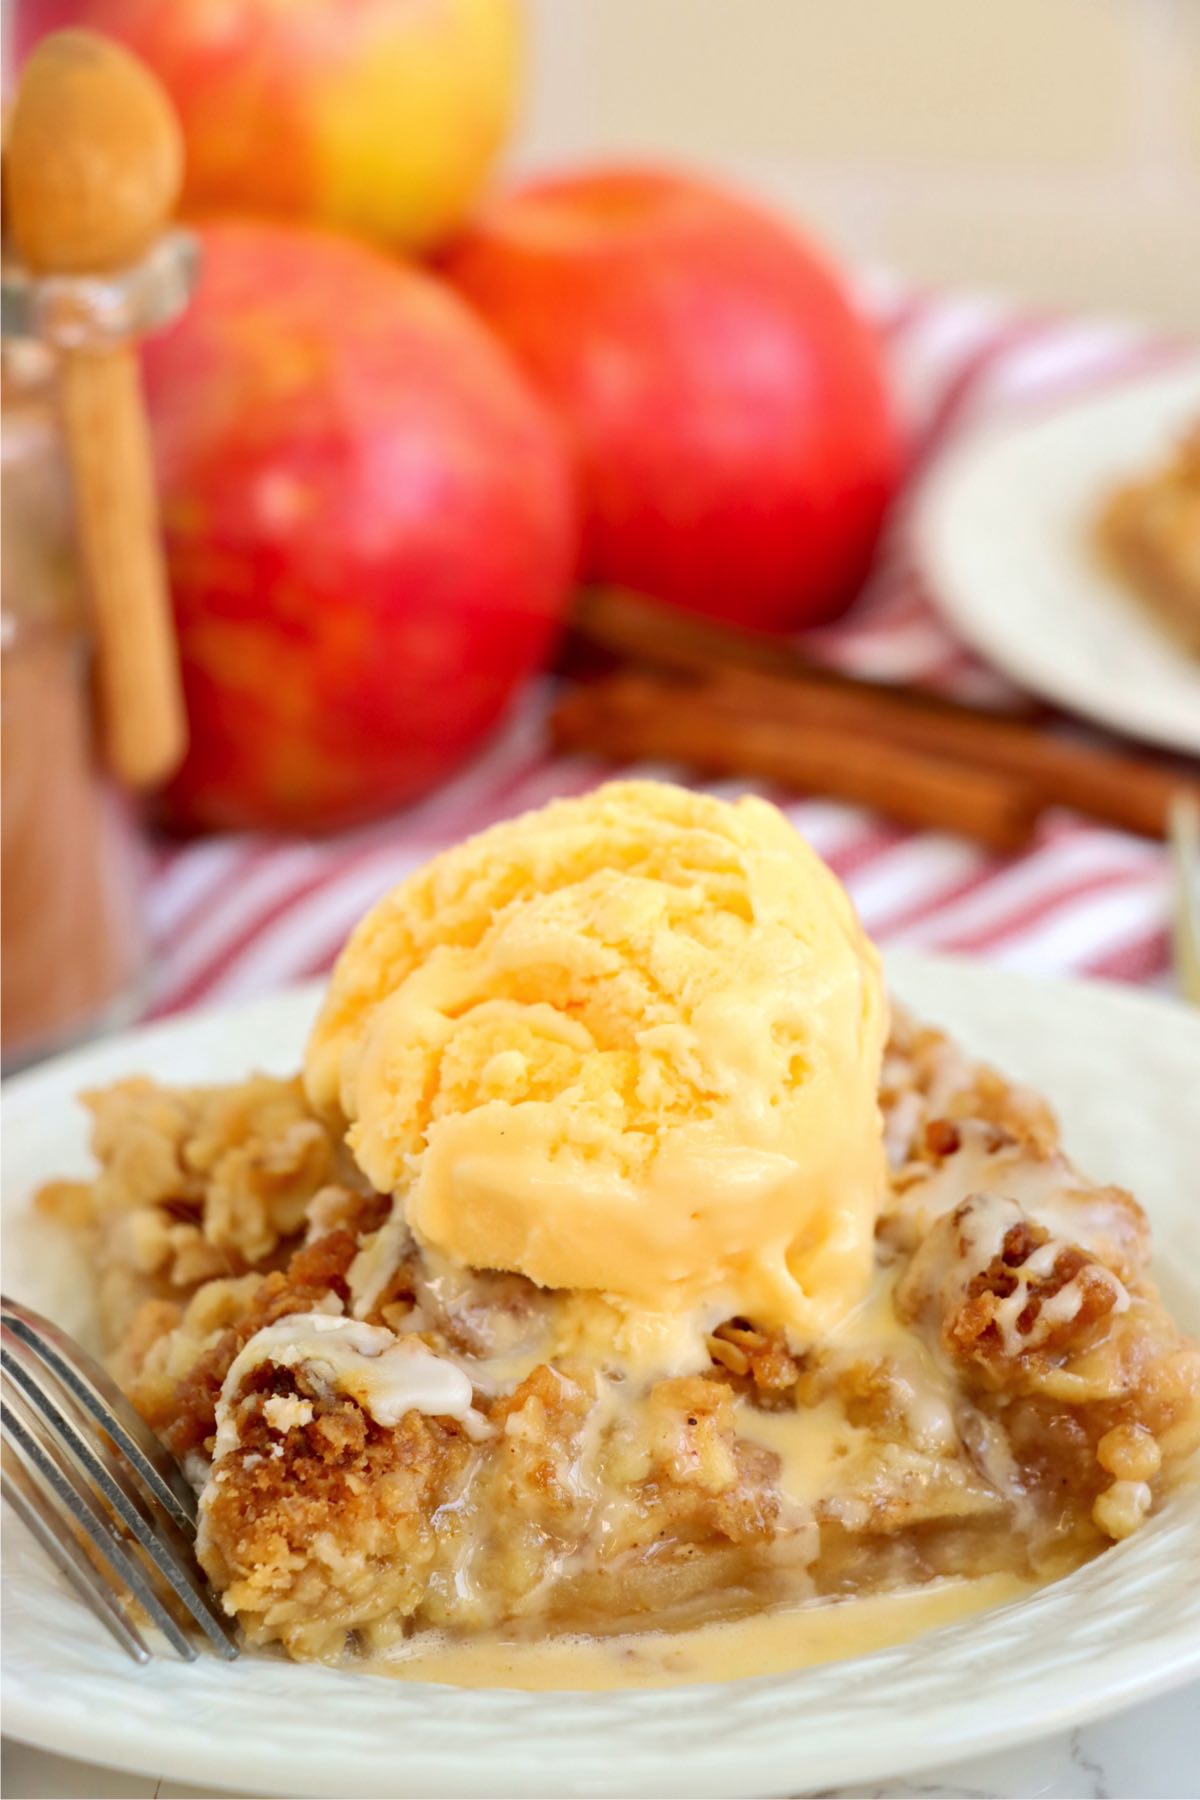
(73, 312)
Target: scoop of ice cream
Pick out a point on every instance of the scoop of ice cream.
(629, 1043)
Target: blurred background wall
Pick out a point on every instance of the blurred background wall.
(1045, 148)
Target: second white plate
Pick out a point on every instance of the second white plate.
(1004, 532)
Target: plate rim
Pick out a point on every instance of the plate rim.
(933, 504)
(44, 1729)
(1128, 1676)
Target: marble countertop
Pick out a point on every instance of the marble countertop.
(1150, 1752)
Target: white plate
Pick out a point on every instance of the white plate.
(1125, 1072)
(1004, 532)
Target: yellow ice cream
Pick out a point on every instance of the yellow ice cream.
(630, 1044)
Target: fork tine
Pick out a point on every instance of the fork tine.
(30, 1499)
(21, 1431)
(167, 1548)
(97, 1394)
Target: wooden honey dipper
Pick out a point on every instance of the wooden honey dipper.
(93, 166)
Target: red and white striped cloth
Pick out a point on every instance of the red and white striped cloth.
(237, 917)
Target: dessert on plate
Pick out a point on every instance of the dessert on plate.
(1149, 530)
(616, 1260)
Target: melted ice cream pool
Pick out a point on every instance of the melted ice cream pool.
(768, 1643)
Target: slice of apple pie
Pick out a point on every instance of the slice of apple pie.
(1150, 531)
(474, 1449)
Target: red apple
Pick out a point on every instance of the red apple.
(727, 404)
(378, 116)
(369, 525)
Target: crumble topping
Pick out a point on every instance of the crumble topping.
(388, 1442)
(1002, 1289)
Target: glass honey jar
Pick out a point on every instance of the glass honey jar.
(73, 947)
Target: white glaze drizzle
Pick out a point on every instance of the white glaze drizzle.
(386, 1375)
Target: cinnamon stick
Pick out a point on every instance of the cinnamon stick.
(635, 717)
(1113, 787)
(1108, 786)
(629, 626)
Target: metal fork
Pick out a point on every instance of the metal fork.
(101, 1495)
